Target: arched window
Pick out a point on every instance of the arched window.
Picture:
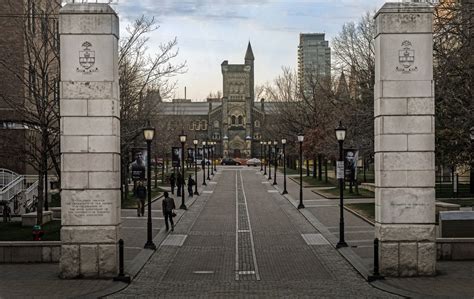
(216, 124)
(204, 125)
(257, 124)
(241, 119)
(197, 126)
(232, 120)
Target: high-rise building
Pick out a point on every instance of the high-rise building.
(314, 59)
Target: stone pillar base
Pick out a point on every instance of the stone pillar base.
(407, 250)
(97, 258)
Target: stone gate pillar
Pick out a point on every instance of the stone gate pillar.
(90, 141)
(404, 140)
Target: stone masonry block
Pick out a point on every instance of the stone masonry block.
(393, 106)
(89, 90)
(104, 180)
(103, 108)
(73, 107)
(390, 143)
(421, 178)
(46, 253)
(70, 261)
(407, 161)
(108, 260)
(407, 125)
(378, 125)
(389, 262)
(74, 180)
(391, 178)
(421, 142)
(89, 260)
(408, 259)
(74, 144)
(88, 24)
(421, 106)
(407, 89)
(404, 18)
(91, 126)
(89, 234)
(90, 207)
(406, 205)
(427, 258)
(405, 232)
(104, 144)
(87, 161)
(55, 254)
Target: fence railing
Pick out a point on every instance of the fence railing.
(453, 186)
(6, 176)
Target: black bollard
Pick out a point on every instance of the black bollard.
(121, 276)
(376, 274)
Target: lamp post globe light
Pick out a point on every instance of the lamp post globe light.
(266, 161)
(283, 142)
(195, 142)
(204, 165)
(275, 143)
(471, 183)
(300, 141)
(340, 136)
(269, 159)
(182, 139)
(149, 134)
(261, 160)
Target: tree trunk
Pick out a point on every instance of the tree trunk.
(326, 168)
(314, 167)
(39, 204)
(320, 167)
(307, 167)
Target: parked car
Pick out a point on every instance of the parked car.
(199, 161)
(229, 161)
(254, 162)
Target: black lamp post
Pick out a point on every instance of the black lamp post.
(275, 143)
(208, 161)
(204, 167)
(182, 139)
(341, 135)
(471, 183)
(265, 156)
(283, 142)
(215, 154)
(261, 160)
(212, 156)
(149, 134)
(300, 140)
(195, 142)
(269, 159)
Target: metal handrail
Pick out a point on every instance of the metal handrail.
(6, 177)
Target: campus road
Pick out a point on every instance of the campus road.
(242, 238)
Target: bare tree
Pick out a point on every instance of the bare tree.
(37, 108)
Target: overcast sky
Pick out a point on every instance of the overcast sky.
(211, 31)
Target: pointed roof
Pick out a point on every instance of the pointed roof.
(249, 53)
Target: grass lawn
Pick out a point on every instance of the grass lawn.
(290, 171)
(446, 191)
(13, 231)
(365, 209)
(334, 193)
(309, 181)
(131, 202)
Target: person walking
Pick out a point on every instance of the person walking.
(172, 182)
(167, 207)
(179, 183)
(191, 183)
(141, 196)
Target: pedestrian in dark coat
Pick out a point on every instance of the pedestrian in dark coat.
(191, 183)
(167, 207)
(141, 196)
(172, 182)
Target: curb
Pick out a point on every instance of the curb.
(360, 216)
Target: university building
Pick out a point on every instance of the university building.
(236, 121)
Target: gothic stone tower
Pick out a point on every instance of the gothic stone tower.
(237, 104)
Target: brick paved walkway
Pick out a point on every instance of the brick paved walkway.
(455, 279)
(242, 239)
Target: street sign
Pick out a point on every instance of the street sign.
(340, 169)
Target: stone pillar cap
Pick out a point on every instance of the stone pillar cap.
(87, 8)
(409, 7)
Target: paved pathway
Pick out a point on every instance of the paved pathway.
(242, 239)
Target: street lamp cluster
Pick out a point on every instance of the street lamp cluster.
(265, 147)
